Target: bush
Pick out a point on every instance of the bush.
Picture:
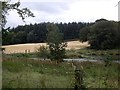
(43, 52)
(56, 43)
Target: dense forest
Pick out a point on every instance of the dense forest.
(37, 33)
(101, 34)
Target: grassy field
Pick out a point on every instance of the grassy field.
(29, 48)
(20, 71)
(26, 73)
(87, 53)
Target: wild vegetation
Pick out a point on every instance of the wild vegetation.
(91, 54)
(21, 71)
(43, 52)
(83, 53)
(37, 33)
(32, 47)
(26, 73)
(55, 43)
(103, 34)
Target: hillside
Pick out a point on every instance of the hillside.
(31, 47)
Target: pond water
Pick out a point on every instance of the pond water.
(77, 59)
(80, 59)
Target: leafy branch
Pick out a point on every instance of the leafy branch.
(6, 7)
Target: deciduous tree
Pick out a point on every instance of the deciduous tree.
(103, 35)
(55, 42)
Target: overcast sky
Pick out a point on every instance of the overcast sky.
(65, 11)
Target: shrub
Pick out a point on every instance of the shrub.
(56, 43)
(43, 52)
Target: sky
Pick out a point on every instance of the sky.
(65, 11)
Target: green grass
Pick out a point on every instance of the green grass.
(87, 53)
(99, 75)
(26, 73)
(19, 55)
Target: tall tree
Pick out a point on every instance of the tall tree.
(83, 35)
(56, 43)
(103, 35)
(6, 6)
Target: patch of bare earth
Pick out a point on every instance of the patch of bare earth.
(31, 47)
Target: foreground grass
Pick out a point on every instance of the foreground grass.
(26, 73)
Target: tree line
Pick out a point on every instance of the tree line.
(36, 33)
(102, 34)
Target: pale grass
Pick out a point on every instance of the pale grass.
(31, 47)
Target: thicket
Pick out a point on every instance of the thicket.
(103, 34)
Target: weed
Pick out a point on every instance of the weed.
(27, 73)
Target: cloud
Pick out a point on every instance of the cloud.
(69, 1)
(47, 7)
(66, 11)
(13, 19)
